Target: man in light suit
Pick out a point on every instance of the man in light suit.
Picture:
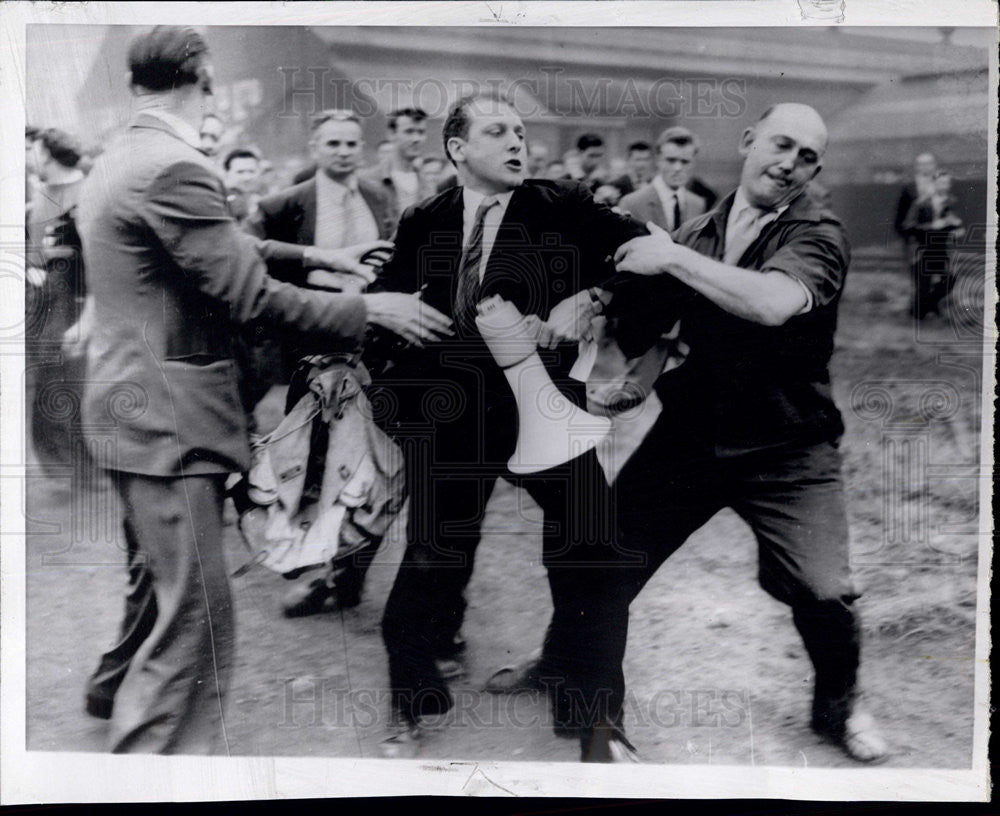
(335, 208)
(667, 201)
(169, 274)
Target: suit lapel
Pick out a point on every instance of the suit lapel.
(657, 215)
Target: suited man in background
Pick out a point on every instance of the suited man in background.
(667, 201)
(333, 209)
(543, 246)
(169, 273)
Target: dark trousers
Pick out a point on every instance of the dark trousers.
(793, 500)
(170, 695)
(582, 656)
(932, 281)
(137, 623)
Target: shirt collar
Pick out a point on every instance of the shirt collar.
(472, 199)
(329, 186)
(662, 188)
(741, 203)
(187, 133)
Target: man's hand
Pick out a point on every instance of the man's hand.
(408, 316)
(569, 320)
(35, 275)
(349, 258)
(649, 254)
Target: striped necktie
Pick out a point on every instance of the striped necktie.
(467, 292)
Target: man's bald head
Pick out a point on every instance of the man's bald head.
(782, 153)
(801, 115)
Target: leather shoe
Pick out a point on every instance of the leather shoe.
(517, 677)
(402, 740)
(315, 597)
(100, 707)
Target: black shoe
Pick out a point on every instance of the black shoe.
(517, 677)
(315, 597)
(452, 649)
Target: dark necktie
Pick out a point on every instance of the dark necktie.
(467, 293)
(677, 209)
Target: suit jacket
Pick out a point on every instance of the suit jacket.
(554, 241)
(645, 205)
(290, 216)
(169, 273)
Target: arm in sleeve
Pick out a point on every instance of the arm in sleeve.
(817, 256)
(186, 209)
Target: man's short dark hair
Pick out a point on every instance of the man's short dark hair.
(238, 153)
(677, 135)
(589, 140)
(457, 123)
(638, 147)
(332, 115)
(62, 147)
(167, 57)
(416, 114)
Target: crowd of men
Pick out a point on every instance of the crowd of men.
(206, 281)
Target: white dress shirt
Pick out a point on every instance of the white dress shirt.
(667, 196)
(491, 222)
(342, 215)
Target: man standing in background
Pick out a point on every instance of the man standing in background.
(640, 169)
(332, 210)
(666, 201)
(407, 132)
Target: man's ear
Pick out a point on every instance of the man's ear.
(455, 148)
(746, 141)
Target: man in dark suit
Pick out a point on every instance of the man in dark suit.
(334, 209)
(667, 201)
(543, 246)
(169, 274)
(748, 421)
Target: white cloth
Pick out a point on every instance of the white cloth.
(667, 196)
(342, 216)
(744, 224)
(491, 222)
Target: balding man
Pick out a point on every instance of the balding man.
(748, 421)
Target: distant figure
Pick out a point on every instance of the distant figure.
(242, 177)
(933, 225)
(210, 134)
(397, 174)
(922, 187)
(556, 171)
(54, 292)
(666, 201)
(640, 168)
(590, 171)
(538, 160)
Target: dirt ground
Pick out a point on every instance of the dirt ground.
(715, 670)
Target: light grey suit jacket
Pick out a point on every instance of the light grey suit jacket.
(170, 273)
(644, 205)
